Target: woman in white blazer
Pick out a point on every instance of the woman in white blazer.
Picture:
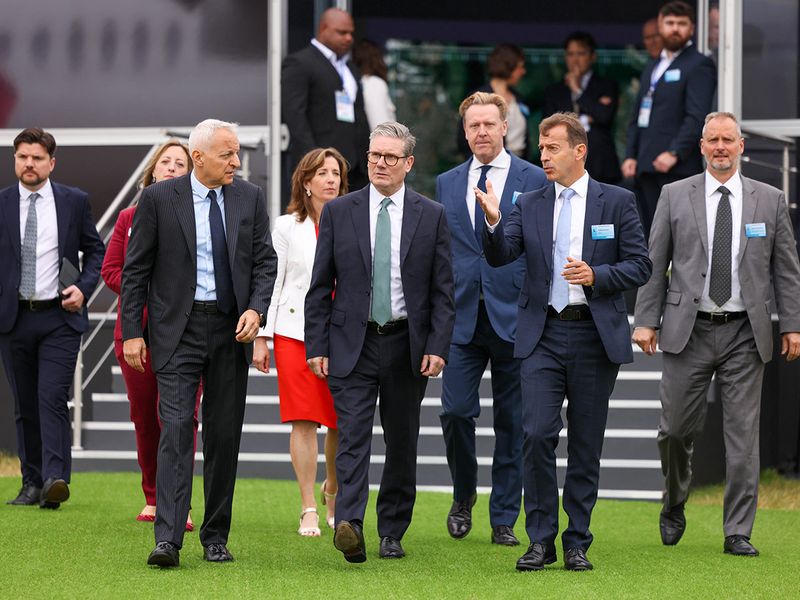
(305, 401)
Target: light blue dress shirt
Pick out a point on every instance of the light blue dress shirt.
(206, 285)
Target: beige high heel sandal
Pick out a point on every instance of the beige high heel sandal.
(324, 497)
(309, 531)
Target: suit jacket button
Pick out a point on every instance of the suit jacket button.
(702, 274)
(696, 300)
(547, 282)
(483, 255)
(186, 314)
(291, 310)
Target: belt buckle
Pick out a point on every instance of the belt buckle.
(379, 329)
(30, 304)
(719, 317)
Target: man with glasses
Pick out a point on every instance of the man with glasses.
(379, 316)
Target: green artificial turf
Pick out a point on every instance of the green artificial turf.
(93, 548)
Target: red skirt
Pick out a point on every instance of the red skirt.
(303, 396)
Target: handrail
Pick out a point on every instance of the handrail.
(785, 167)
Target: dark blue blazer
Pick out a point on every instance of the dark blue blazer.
(472, 274)
(336, 327)
(76, 232)
(679, 110)
(619, 264)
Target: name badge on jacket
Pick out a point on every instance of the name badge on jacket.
(755, 230)
(345, 108)
(603, 232)
(672, 75)
(644, 111)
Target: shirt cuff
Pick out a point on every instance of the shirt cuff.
(491, 228)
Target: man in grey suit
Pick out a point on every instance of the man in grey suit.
(728, 237)
(200, 256)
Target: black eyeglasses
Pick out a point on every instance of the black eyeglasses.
(390, 159)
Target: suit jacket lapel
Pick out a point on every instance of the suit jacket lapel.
(184, 207)
(697, 199)
(9, 208)
(749, 205)
(412, 211)
(458, 197)
(63, 217)
(359, 212)
(593, 216)
(233, 218)
(308, 237)
(544, 218)
(513, 183)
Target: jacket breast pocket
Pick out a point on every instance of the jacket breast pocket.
(674, 297)
(338, 317)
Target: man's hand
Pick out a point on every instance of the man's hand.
(432, 365)
(645, 338)
(490, 205)
(72, 299)
(261, 354)
(318, 366)
(790, 345)
(664, 162)
(135, 353)
(629, 168)
(247, 327)
(577, 272)
(572, 79)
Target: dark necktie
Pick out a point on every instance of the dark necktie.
(719, 289)
(479, 225)
(219, 249)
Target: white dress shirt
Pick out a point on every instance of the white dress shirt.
(497, 175)
(47, 266)
(578, 203)
(734, 185)
(349, 83)
(665, 60)
(395, 209)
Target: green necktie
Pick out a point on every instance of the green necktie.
(382, 267)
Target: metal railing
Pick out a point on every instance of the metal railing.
(785, 167)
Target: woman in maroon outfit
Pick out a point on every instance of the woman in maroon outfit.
(170, 160)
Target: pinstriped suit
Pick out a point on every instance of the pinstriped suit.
(160, 271)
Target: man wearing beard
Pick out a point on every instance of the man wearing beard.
(675, 94)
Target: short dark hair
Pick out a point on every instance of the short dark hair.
(503, 60)
(36, 135)
(576, 134)
(677, 8)
(582, 37)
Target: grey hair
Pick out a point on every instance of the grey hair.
(722, 115)
(393, 129)
(201, 135)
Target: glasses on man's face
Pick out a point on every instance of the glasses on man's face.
(390, 159)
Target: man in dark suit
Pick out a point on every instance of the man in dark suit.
(486, 307)
(675, 94)
(42, 310)
(200, 257)
(584, 246)
(321, 99)
(379, 318)
(593, 98)
(736, 230)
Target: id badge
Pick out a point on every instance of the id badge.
(672, 75)
(644, 111)
(345, 108)
(755, 230)
(603, 232)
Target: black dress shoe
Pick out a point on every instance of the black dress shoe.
(459, 519)
(504, 535)
(537, 556)
(739, 545)
(575, 560)
(672, 523)
(165, 554)
(391, 548)
(54, 492)
(349, 540)
(217, 553)
(28, 496)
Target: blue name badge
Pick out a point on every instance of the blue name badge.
(603, 232)
(672, 75)
(755, 230)
(515, 196)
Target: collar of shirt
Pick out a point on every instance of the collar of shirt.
(580, 187)
(330, 54)
(199, 191)
(734, 184)
(666, 55)
(375, 197)
(45, 192)
(585, 79)
(501, 161)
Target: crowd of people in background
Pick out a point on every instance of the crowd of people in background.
(366, 288)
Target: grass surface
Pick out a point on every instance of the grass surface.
(93, 548)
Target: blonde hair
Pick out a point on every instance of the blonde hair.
(147, 174)
(480, 98)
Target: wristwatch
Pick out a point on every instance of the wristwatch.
(262, 319)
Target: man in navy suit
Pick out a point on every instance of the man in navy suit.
(379, 318)
(675, 94)
(583, 246)
(42, 310)
(486, 301)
